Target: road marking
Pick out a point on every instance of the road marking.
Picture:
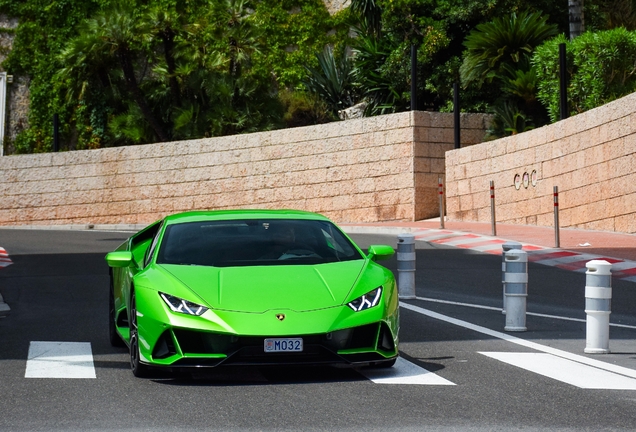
(60, 360)
(567, 371)
(528, 344)
(404, 372)
(527, 313)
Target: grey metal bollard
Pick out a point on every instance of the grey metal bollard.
(506, 247)
(516, 289)
(598, 301)
(406, 266)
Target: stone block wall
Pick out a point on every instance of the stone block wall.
(363, 170)
(590, 157)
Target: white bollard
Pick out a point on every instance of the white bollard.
(406, 266)
(516, 289)
(598, 299)
(506, 247)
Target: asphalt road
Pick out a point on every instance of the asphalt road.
(57, 290)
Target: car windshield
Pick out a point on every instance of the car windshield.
(255, 242)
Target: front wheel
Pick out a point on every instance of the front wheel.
(139, 369)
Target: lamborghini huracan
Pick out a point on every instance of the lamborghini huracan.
(251, 287)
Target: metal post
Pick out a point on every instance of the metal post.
(441, 201)
(598, 299)
(516, 289)
(563, 83)
(56, 133)
(406, 266)
(456, 116)
(507, 246)
(413, 78)
(557, 240)
(3, 103)
(492, 208)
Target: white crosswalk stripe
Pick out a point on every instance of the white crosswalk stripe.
(404, 372)
(60, 360)
(564, 370)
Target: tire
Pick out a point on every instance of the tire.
(139, 369)
(113, 336)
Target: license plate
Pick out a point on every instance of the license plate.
(283, 345)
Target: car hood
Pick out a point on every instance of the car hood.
(258, 289)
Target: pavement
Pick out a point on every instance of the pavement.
(576, 246)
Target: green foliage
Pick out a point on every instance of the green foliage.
(130, 72)
(497, 49)
(331, 81)
(438, 28)
(372, 74)
(294, 31)
(601, 68)
(499, 53)
(508, 120)
(43, 29)
(304, 109)
(137, 71)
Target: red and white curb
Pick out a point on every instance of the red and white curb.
(4, 258)
(567, 260)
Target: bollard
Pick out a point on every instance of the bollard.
(516, 289)
(506, 247)
(598, 298)
(406, 266)
(493, 220)
(557, 240)
(441, 201)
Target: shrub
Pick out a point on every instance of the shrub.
(601, 68)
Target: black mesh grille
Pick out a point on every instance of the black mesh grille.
(317, 348)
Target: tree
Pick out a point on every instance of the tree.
(497, 49)
(499, 52)
(332, 80)
(118, 34)
(577, 21)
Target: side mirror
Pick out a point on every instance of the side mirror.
(119, 258)
(380, 252)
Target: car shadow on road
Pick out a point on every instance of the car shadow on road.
(426, 363)
(253, 375)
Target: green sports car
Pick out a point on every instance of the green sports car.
(258, 287)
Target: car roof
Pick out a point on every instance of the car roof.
(196, 216)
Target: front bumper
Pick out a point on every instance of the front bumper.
(333, 336)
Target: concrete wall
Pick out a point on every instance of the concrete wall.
(590, 157)
(371, 169)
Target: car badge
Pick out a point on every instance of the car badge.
(280, 317)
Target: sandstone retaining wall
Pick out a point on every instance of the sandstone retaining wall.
(590, 157)
(372, 169)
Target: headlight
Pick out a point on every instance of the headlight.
(370, 299)
(183, 306)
